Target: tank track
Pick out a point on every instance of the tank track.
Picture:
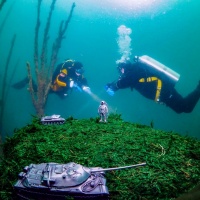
(56, 122)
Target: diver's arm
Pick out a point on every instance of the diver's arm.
(111, 88)
(83, 85)
(83, 82)
(114, 86)
(121, 83)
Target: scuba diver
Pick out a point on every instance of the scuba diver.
(154, 81)
(68, 75)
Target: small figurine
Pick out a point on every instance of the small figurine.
(103, 111)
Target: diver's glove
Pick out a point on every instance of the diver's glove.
(109, 90)
(87, 89)
(71, 84)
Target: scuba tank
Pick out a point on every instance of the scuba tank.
(161, 71)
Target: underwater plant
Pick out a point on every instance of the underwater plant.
(6, 16)
(2, 3)
(42, 69)
(173, 160)
(4, 86)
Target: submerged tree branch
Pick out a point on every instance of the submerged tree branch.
(37, 27)
(5, 18)
(4, 83)
(43, 77)
(46, 37)
(59, 39)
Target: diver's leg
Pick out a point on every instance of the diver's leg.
(180, 104)
(191, 99)
(21, 84)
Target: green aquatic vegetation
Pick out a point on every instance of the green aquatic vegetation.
(173, 161)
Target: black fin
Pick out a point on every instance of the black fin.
(21, 84)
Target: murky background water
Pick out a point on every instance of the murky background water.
(165, 30)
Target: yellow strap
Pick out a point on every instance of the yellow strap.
(60, 83)
(142, 80)
(159, 85)
(149, 79)
(158, 91)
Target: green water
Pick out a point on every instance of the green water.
(165, 30)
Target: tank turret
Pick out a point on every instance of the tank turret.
(55, 181)
(53, 119)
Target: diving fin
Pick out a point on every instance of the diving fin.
(21, 84)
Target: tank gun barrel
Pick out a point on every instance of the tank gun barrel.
(118, 168)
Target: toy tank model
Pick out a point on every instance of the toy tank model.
(53, 119)
(53, 181)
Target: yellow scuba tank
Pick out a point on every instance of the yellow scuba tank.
(57, 86)
(160, 70)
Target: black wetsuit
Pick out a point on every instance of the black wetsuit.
(132, 77)
(71, 75)
(71, 68)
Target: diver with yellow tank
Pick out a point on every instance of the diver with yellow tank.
(67, 76)
(154, 81)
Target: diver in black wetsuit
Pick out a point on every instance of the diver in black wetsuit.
(67, 76)
(152, 86)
